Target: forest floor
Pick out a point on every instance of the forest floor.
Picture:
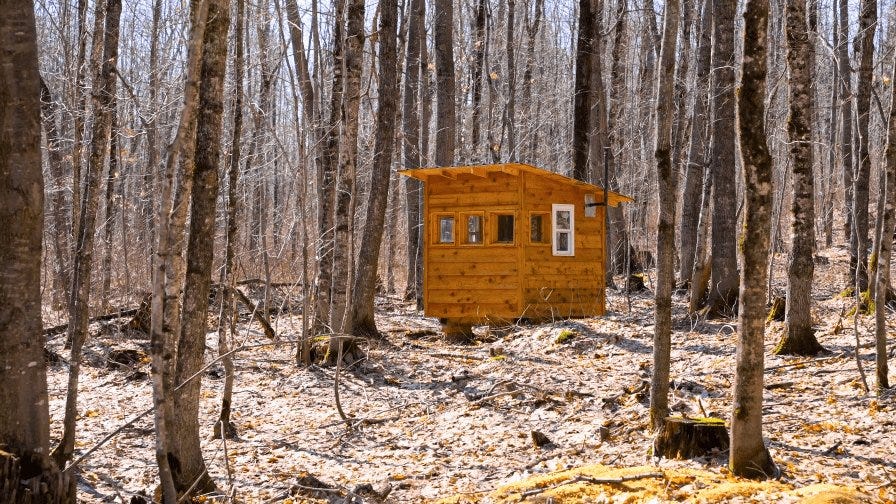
(432, 420)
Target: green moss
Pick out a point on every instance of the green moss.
(847, 292)
(564, 336)
(500, 357)
(866, 305)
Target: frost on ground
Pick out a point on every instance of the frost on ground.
(432, 420)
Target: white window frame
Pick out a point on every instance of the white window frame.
(556, 231)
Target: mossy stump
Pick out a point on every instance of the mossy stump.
(683, 438)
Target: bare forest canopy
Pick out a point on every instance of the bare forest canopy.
(209, 190)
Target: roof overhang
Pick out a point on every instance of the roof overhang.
(514, 169)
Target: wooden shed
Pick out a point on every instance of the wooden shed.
(511, 241)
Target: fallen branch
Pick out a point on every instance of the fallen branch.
(256, 314)
(595, 481)
(59, 329)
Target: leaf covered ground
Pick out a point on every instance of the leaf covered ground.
(436, 421)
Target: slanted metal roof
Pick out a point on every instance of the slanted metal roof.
(452, 172)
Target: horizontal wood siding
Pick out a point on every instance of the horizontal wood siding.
(482, 282)
(561, 286)
(476, 282)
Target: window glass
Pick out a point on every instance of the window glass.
(505, 229)
(446, 229)
(536, 228)
(474, 229)
(590, 205)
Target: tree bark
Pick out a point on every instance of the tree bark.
(227, 314)
(583, 100)
(724, 286)
(476, 82)
(326, 163)
(799, 337)
(884, 259)
(343, 258)
(748, 455)
(163, 342)
(24, 417)
(697, 155)
(185, 452)
(846, 120)
(667, 187)
(510, 108)
(364, 290)
(445, 99)
(411, 144)
(79, 302)
(865, 48)
(50, 111)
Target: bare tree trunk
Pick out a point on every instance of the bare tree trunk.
(25, 416)
(79, 302)
(583, 99)
(476, 82)
(697, 155)
(109, 212)
(667, 187)
(412, 144)
(510, 108)
(364, 290)
(619, 248)
(723, 291)
(327, 161)
(884, 258)
(343, 258)
(702, 262)
(185, 453)
(445, 99)
(865, 49)
(312, 117)
(162, 339)
(846, 120)
(226, 316)
(799, 337)
(150, 177)
(834, 124)
(50, 111)
(533, 24)
(748, 456)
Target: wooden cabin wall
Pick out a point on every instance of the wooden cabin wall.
(464, 281)
(562, 286)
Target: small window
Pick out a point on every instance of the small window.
(505, 229)
(474, 229)
(590, 205)
(563, 224)
(536, 228)
(446, 229)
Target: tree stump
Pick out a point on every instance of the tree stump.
(34, 480)
(682, 438)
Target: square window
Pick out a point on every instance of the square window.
(474, 229)
(446, 229)
(505, 229)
